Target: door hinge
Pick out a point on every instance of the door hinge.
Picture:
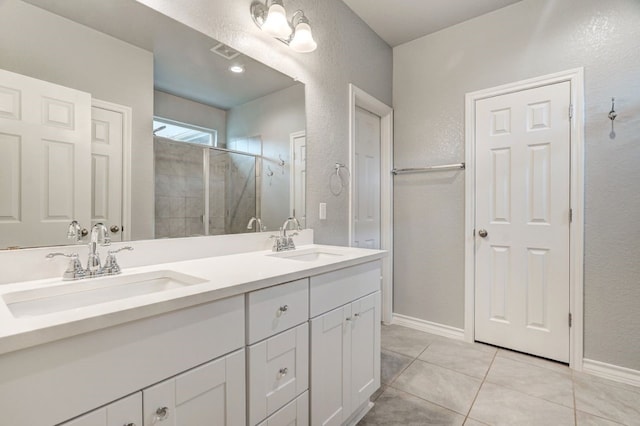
(570, 110)
(474, 232)
(570, 215)
(570, 320)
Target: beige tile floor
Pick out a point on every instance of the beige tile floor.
(432, 380)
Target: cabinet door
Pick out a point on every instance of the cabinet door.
(212, 394)
(278, 371)
(365, 348)
(330, 374)
(124, 412)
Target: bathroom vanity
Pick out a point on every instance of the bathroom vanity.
(257, 338)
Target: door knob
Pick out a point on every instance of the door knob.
(483, 233)
(115, 229)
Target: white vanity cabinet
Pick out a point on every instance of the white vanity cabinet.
(212, 394)
(345, 343)
(124, 412)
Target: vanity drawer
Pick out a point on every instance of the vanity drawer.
(278, 372)
(337, 288)
(295, 413)
(276, 309)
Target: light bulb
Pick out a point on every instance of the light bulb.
(303, 41)
(276, 23)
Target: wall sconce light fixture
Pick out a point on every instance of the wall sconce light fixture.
(272, 19)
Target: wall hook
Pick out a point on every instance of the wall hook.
(612, 113)
(612, 116)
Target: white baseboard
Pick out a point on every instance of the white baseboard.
(611, 372)
(428, 326)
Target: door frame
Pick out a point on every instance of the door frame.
(292, 137)
(360, 98)
(576, 227)
(127, 113)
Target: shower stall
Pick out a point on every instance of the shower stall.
(203, 190)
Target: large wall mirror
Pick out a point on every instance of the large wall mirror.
(112, 112)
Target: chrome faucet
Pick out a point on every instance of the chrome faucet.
(259, 226)
(99, 234)
(283, 241)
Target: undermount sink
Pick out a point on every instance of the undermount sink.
(82, 293)
(307, 255)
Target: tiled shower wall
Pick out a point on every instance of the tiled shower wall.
(179, 186)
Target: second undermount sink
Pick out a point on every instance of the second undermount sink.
(82, 293)
(311, 254)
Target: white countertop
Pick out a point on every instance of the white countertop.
(225, 276)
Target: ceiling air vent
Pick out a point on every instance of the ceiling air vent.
(225, 51)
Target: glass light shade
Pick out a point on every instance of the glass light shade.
(303, 41)
(276, 23)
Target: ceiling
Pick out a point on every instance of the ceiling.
(183, 62)
(400, 21)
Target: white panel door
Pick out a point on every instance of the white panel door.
(212, 394)
(522, 202)
(299, 177)
(123, 412)
(366, 220)
(45, 159)
(107, 129)
(365, 348)
(331, 367)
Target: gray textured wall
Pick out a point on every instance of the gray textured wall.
(530, 38)
(348, 52)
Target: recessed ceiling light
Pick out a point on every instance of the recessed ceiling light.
(238, 69)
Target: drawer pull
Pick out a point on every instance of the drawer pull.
(283, 309)
(283, 371)
(162, 413)
(129, 424)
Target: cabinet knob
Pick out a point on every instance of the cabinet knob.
(162, 413)
(356, 316)
(283, 371)
(283, 309)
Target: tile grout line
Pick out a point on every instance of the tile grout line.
(480, 387)
(426, 400)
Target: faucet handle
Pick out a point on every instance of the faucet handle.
(128, 248)
(111, 266)
(74, 269)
